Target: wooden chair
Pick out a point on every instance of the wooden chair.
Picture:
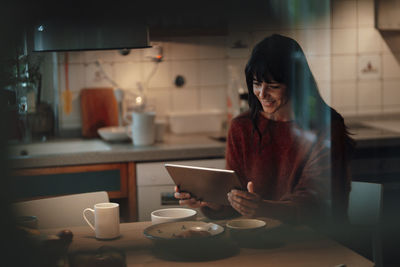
(365, 208)
(62, 211)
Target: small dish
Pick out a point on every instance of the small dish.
(172, 215)
(254, 233)
(245, 224)
(113, 133)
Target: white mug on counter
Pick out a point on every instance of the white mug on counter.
(106, 220)
(143, 128)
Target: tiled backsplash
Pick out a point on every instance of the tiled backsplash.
(357, 71)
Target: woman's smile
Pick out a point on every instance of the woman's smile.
(272, 97)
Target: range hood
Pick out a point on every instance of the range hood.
(387, 15)
(95, 34)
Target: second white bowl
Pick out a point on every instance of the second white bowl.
(172, 215)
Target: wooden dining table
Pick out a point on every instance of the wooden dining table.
(289, 246)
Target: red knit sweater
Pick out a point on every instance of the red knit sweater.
(305, 170)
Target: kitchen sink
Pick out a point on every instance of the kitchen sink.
(57, 147)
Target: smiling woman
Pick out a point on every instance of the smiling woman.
(290, 149)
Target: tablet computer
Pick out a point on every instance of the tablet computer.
(205, 184)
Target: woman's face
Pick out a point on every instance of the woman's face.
(272, 96)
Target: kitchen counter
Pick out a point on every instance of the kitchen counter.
(66, 152)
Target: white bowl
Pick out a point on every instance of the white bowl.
(245, 224)
(172, 215)
(113, 133)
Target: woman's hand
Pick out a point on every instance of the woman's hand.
(185, 199)
(246, 203)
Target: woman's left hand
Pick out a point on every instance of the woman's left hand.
(246, 203)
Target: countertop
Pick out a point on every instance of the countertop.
(65, 152)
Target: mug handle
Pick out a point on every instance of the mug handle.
(128, 131)
(127, 118)
(84, 217)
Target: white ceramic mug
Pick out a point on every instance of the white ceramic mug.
(143, 128)
(106, 220)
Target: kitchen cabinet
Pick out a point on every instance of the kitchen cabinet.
(118, 179)
(156, 188)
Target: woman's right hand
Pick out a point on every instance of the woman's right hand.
(185, 199)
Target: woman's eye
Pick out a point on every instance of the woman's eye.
(256, 84)
(274, 86)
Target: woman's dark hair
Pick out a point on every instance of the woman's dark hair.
(281, 59)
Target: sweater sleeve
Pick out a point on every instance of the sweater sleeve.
(322, 189)
(234, 153)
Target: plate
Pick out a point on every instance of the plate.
(113, 133)
(169, 245)
(176, 230)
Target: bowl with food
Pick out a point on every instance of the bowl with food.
(189, 240)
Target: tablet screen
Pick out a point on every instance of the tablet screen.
(205, 184)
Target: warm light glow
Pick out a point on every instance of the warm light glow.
(139, 100)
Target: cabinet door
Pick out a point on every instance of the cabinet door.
(53, 181)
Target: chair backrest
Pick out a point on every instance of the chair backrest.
(62, 211)
(365, 203)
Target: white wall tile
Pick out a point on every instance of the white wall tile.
(344, 96)
(127, 74)
(162, 101)
(161, 76)
(76, 74)
(369, 93)
(213, 72)
(369, 66)
(391, 66)
(365, 13)
(242, 39)
(369, 40)
(212, 47)
(237, 71)
(344, 67)
(95, 78)
(344, 41)
(344, 14)
(391, 92)
(135, 55)
(315, 41)
(320, 67)
(184, 48)
(185, 99)
(73, 57)
(107, 56)
(325, 89)
(189, 69)
(213, 98)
